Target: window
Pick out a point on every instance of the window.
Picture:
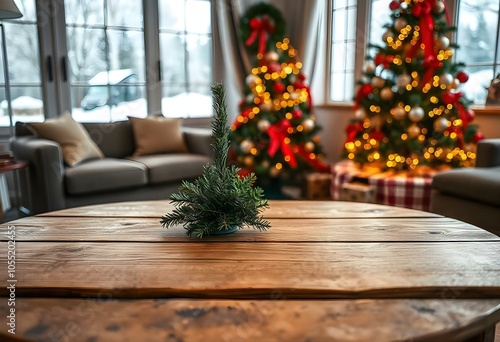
(23, 66)
(105, 43)
(343, 43)
(478, 30)
(101, 60)
(477, 34)
(186, 57)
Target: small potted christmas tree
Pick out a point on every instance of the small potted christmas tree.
(219, 201)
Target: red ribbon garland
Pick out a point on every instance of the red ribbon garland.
(423, 10)
(277, 134)
(260, 28)
(363, 91)
(453, 98)
(352, 130)
(317, 163)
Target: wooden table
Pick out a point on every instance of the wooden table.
(325, 271)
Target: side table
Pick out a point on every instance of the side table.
(396, 189)
(19, 167)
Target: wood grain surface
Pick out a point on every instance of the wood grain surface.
(359, 270)
(439, 229)
(277, 209)
(250, 270)
(276, 319)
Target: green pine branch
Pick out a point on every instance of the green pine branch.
(219, 198)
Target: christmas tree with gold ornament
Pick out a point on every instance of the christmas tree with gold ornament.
(275, 133)
(409, 110)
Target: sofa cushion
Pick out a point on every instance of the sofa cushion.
(115, 140)
(480, 184)
(173, 167)
(103, 175)
(155, 135)
(75, 141)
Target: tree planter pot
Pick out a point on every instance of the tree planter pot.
(232, 229)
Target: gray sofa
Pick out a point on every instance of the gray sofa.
(117, 177)
(472, 194)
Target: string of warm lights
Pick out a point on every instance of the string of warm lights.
(410, 111)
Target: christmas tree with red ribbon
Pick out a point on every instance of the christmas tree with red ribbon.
(409, 110)
(275, 133)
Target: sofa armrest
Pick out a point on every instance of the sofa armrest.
(198, 140)
(488, 153)
(46, 171)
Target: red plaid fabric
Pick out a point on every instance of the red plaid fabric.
(398, 190)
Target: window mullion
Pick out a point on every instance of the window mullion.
(62, 87)
(152, 47)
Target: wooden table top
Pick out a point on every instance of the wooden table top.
(325, 270)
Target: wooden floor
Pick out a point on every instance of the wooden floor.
(497, 333)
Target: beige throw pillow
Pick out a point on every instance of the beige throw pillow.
(155, 135)
(75, 141)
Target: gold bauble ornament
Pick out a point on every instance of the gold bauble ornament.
(377, 82)
(376, 121)
(386, 94)
(308, 125)
(438, 7)
(309, 146)
(440, 124)
(445, 79)
(369, 67)
(413, 131)
(271, 56)
(455, 84)
(442, 42)
(248, 161)
(263, 125)
(294, 96)
(360, 113)
(400, 23)
(403, 81)
(246, 146)
(266, 106)
(251, 80)
(416, 114)
(398, 113)
(387, 34)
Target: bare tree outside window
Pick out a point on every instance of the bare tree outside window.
(24, 67)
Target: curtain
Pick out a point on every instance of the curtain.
(305, 27)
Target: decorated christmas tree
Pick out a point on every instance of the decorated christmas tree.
(275, 133)
(409, 110)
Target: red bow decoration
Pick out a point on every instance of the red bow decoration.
(277, 134)
(459, 133)
(422, 10)
(260, 28)
(317, 163)
(243, 114)
(352, 130)
(383, 59)
(453, 98)
(363, 92)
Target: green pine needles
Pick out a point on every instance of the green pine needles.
(219, 199)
